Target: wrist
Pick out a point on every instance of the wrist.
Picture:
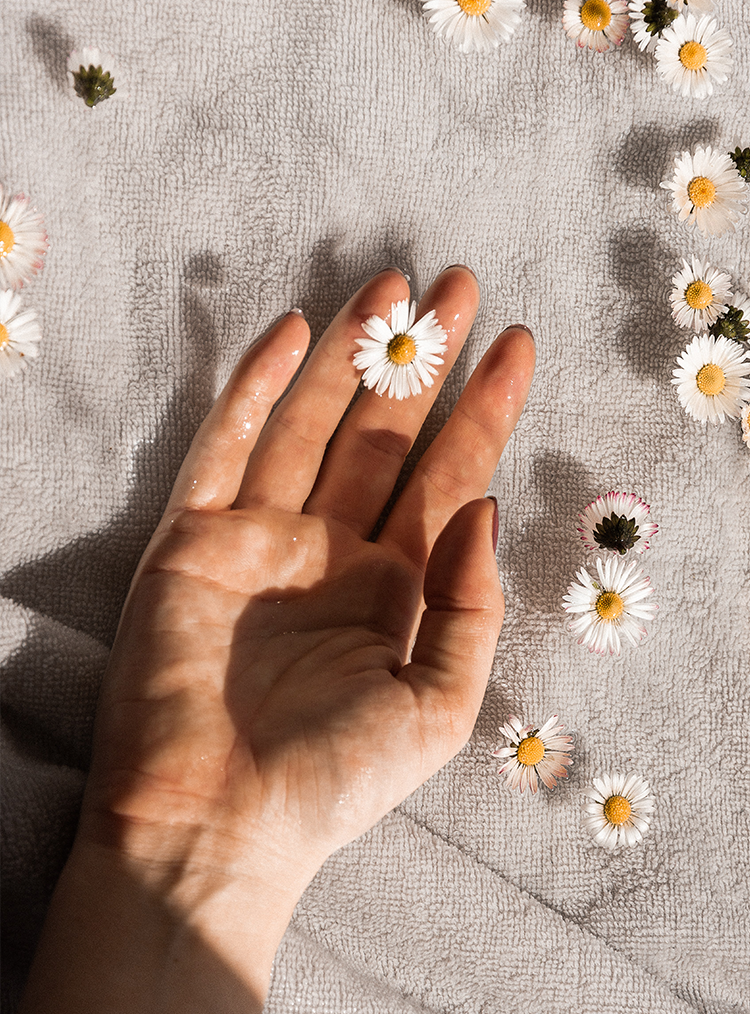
(168, 930)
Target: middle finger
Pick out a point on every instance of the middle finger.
(367, 453)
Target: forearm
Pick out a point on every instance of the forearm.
(121, 937)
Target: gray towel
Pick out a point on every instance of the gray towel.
(259, 156)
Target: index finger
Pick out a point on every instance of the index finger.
(459, 464)
(212, 471)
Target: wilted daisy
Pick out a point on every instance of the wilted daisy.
(700, 294)
(710, 378)
(609, 607)
(92, 75)
(19, 334)
(741, 158)
(474, 24)
(596, 24)
(618, 522)
(734, 321)
(648, 19)
(617, 810)
(745, 421)
(23, 241)
(402, 356)
(707, 190)
(534, 751)
(691, 55)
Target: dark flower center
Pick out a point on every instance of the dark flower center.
(616, 532)
(732, 324)
(741, 158)
(658, 15)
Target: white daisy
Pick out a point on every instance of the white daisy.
(92, 75)
(617, 521)
(474, 24)
(596, 24)
(535, 751)
(617, 810)
(691, 55)
(700, 294)
(648, 19)
(745, 421)
(711, 380)
(609, 607)
(19, 334)
(23, 241)
(707, 190)
(402, 356)
(734, 322)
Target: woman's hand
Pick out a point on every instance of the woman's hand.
(278, 682)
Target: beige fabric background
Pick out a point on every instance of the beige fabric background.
(263, 155)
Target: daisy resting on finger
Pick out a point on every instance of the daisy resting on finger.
(399, 357)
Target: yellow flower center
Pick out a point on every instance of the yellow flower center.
(609, 605)
(530, 751)
(701, 191)
(3, 335)
(698, 294)
(595, 15)
(693, 55)
(711, 379)
(617, 810)
(7, 239)
(474, 8)
(401, 349)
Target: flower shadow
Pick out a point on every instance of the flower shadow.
(646, 152)
(643, 266)
(52, 46)
(563, 487)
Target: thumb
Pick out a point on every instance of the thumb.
(457, 636)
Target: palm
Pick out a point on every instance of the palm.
(287, 684)
(261, 673)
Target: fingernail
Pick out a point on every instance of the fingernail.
(465, 267)
(393, 267)
(296, 309)
(495, 523)
(521, 327)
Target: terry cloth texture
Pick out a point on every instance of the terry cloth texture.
(259, 156)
